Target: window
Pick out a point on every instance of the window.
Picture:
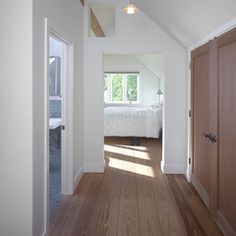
(121, 87)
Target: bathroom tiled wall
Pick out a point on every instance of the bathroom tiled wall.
(54, 170)
(55, 109)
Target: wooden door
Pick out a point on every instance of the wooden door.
(200, 121)
(226, 207)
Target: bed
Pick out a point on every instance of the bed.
(132, 122)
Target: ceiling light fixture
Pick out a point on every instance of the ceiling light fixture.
(131, 9)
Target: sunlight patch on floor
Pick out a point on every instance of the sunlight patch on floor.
(127, 151)
(139, 148)
(132, 167)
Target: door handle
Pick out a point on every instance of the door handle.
(211, 137)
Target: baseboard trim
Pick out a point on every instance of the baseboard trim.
(94, 168)
(201, 190)
(77, 177)
(224, 226)
(172, 168)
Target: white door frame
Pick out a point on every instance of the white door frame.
(67, 117)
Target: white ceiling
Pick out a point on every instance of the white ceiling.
(188, 21)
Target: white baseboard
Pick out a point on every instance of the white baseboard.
(77, 177)
(188, 173)
(94, 168)
(172, 168)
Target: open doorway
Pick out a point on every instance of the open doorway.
(55, 88)
(133, 102)
(58, 120)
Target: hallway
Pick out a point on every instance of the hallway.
(133, 198)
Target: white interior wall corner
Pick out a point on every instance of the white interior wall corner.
(66, 18)
(135, 34)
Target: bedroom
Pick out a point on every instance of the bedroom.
(133, 99)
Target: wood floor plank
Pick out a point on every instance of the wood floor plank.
(148, 216)
(68, 213)
(197, 207)
(105, 217)
(191, 223)
(84, 222)
(128, 222)
(133, 198)
(170, 219)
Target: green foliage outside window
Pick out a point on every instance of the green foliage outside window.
(121, 87)
(132, 88)
(117, 88)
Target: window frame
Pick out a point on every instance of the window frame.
(125, 75)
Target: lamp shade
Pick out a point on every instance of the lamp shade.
(159, 92)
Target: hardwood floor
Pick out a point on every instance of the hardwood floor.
(133, 198)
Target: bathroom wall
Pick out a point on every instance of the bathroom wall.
(55, 109)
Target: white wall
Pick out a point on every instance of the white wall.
(135, 34)
(16, 118)
(66, 18)
(149, 83)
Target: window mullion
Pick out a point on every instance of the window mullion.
(110, 88)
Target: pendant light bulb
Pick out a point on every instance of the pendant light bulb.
(130, 9)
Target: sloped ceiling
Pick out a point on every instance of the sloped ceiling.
(188, 21)
(154, 62)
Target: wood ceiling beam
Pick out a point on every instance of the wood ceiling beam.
(95, 26)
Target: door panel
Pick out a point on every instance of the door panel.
(214, 111)
(200, 121)
(227, 130)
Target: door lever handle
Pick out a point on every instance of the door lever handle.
(211, 137)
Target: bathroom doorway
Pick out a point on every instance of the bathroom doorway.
(55, 88)
(59, 114)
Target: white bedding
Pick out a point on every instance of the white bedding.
(132, 122)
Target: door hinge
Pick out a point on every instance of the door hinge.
(189, 161)
(190, 113)
(63, 127)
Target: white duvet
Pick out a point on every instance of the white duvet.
(132, 122)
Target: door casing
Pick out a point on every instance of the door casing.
(67, 116)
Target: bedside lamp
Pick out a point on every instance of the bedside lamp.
(159, 93)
